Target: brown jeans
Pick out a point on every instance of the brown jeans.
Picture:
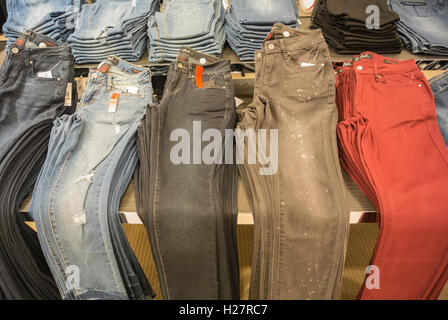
(301, 219)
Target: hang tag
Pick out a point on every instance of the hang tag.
(68, 95)
(47, 74)
(238, 101)
(132, 90)
(113, 103)
(306, 64)
(225, 4)
(199, 72)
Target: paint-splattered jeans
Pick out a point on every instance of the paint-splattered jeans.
(301, 220)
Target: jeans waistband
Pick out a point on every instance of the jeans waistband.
(372, 63)
(116, 71)
(32, 46)
(283, 39)
(188, 59)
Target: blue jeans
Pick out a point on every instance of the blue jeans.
(90, 161)
(24, 14)
(249, 22)
(198, 24)
(264, 12)
(439, 86)
(423, 26)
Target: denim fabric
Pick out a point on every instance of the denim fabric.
(343, 24)
(30, 14)
(29, 103)
(198, 24)
(423, 25)
(300, 214)
(91, 157)
(190, 210)
(439, 86)
(106, 26)
(248, 23)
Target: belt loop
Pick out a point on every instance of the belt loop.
(109, 82)
(285, 52)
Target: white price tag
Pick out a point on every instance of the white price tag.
(238, 101)
(133, 90)
(46, 74)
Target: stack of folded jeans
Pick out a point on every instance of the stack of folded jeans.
(187, 200)
(92, 156)
(439, 86)
(36, 87)
(423, 25)
(197, 24)
(297, 193)
(348, 29)
(115, 27)
(391, 146)
(248, 23)
(53, 18)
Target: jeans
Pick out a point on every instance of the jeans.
(36, 86)
(249, 22)
(29, 14)
(300, 213)
(439, 86)
(190, 209)
(92, 155)
(391, 146)
(344, 26)
(198, 24)
(105, 26)
(419, 22)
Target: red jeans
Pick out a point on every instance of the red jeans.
(391, 146)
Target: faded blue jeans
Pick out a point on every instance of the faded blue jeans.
(90, 161)
(25, 14)
(423, 25)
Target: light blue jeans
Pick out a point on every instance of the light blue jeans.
(90, 161)
(423, 26)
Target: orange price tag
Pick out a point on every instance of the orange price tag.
(199, 71)
(113, 102)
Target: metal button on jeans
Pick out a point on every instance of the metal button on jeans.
(15, 50)
(271, 46)
(286, 34)
(359, 67)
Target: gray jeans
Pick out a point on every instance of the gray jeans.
(301, 219)
(189, 209)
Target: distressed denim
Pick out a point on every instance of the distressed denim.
(190, 209)
(439, 86)
(92, 155)
(29, 103)
(423, 25)
(104, 21)
(248, 23)
(300, 214)
(198, 24)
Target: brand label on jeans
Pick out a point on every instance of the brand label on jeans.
(47, 74)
